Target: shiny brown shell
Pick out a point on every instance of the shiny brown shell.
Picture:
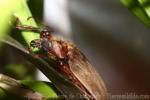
(84, 71)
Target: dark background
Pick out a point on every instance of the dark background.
(116, 43)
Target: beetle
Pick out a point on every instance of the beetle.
(71, 63)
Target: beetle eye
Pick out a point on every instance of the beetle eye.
(45, 34)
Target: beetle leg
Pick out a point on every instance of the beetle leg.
(65, 69)
(29, 18)
(26, 27)
(36, 55)
(29, 49)
(52, 55)
(40, 56)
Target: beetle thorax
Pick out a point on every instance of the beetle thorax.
(58, 49)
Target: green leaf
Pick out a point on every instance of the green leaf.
(141, 8)
(10, 87)
(26, 89)
(48, 90)
(19, 9)
(5, 95)
(16, 69)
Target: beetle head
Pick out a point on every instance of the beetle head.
(45, 34)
